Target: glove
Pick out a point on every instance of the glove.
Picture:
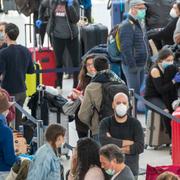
(69, 2)
(38, 23)
(177, 77)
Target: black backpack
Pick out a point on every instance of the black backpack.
(109, 90)
(27, 7)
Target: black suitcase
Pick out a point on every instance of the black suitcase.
(92, 35)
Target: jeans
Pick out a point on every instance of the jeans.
(3, 175)
(59, 46)
(134, 79)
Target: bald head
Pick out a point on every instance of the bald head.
(120, 98)
(120, 94)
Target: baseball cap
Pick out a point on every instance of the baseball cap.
(136, 2)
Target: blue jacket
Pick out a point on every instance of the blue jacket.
(45, 165)
(7, 154)
(134, 43)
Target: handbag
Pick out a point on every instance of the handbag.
(153, 172)
(70, 107)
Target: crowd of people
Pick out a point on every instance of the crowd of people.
(111, 150)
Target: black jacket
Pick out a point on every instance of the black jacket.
(166, 34)
(72, 15)
(157, 15)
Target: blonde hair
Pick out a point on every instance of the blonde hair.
(168, 176)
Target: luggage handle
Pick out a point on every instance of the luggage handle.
(36, 37)
(83, 19)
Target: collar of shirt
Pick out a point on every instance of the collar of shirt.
(115, 175)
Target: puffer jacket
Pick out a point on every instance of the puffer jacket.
(91, 104)
(157, 15)
(72, 15)
(134, 43)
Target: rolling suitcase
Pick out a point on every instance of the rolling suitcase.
(175, 138)
(46, 58)
(33, 80)
(117, 12)
(155, 131)
(50, 112)
(92, 35)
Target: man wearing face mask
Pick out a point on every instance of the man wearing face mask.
(134, 45)
(112, 161)
(124, 131)
(7, 153)
(166, 34)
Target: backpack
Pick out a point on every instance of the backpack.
(114, 43)
(109, 90)
(27, 7)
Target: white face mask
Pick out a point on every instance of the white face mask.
(121, 110)
(90, 74)
(173, 13)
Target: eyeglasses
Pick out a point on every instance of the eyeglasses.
(140, 8)
(89, 65)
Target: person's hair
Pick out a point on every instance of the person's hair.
(178, 6)
(111, 152)
(101, 63)
(53, 132)
(84, 80)
(12, 31)
(168, 176)
(3, 23)
(163, 54)
(87, 156)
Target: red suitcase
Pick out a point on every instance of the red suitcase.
(46, 57)
(175, 138)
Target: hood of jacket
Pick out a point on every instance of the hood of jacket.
(105, 76)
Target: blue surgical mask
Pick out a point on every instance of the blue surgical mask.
(141, 14)
(166, 64)
(110, 172)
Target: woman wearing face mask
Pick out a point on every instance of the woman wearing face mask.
(161, 83)
(86, 73)
(46, 163)
(166, 34)
(85, 164)
(7, 153)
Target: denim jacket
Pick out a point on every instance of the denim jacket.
(45, 165)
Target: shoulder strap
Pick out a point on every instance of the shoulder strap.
(132, 23)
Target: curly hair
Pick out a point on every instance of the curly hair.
(84, 80)
(88, 155)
